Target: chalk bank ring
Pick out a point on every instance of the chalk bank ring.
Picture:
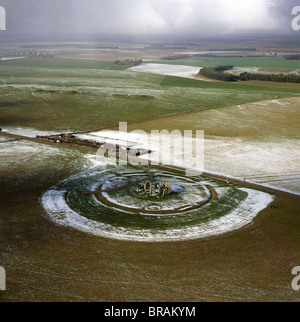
(204, 209)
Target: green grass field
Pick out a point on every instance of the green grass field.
(262, 62)
(62, 63)
(97, 106)
(47, 261)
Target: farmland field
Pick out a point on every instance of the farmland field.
(261, 62)
(127, 247)
(96, 103)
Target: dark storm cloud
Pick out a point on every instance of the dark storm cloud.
(62, 16)
(148, 16)
(283, 13)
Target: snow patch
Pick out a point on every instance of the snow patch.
(58, 210)
(168, 70)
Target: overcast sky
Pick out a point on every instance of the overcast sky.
(175, 17)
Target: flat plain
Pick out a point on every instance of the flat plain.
(251, 131)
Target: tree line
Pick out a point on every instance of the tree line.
(218, 74)
(282, 78)
(292, 57)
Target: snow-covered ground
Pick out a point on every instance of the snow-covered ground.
(206, 52)
(10, 58)
(274, 163)
(167, 148)
(168, 70)
(58, 210)
(29, 157)
(256, 70)
(29, 132)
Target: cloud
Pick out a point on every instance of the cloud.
(217, 16)
(197, 17)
